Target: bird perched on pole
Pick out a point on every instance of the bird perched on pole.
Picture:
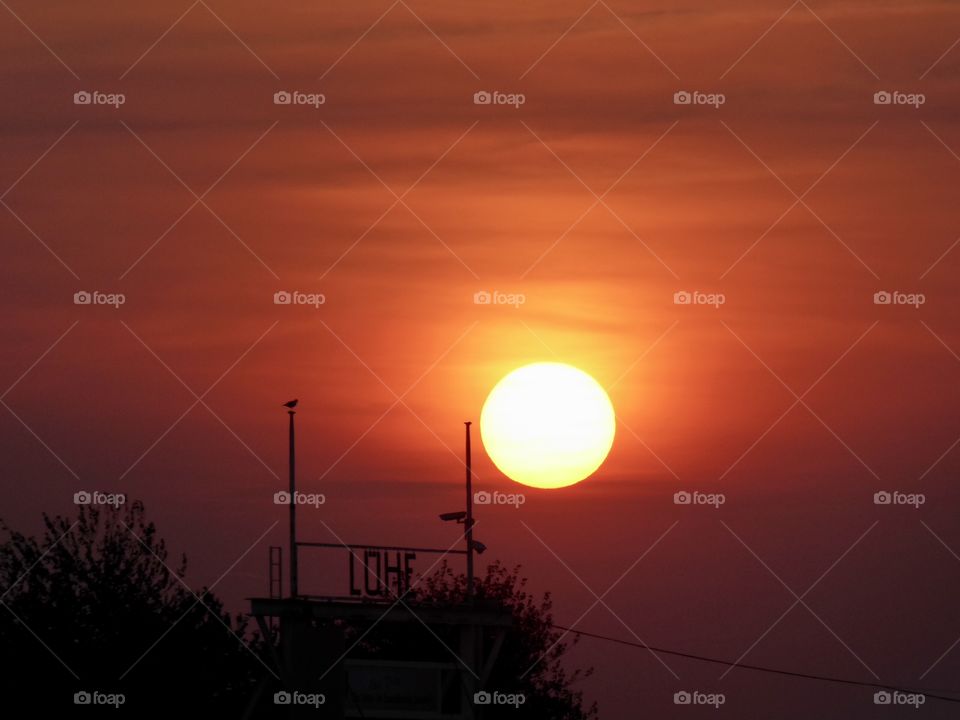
(291, 404)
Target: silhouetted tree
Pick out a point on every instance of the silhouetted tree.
(531, 660)
(96, 597)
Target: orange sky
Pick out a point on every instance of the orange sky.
(502, 198)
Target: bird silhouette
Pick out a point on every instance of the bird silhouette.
(291, 404)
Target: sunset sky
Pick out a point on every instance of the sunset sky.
(596, 200)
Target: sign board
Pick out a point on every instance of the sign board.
(397, 690)
(377, 573)
(370, 573)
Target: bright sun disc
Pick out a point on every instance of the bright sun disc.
(547, 425)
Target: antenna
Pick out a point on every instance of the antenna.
(294, 590)
(469, 518)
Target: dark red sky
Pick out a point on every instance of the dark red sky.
(798, 199)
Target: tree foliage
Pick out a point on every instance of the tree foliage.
(94, 604)
(531, 661)
(533, 656)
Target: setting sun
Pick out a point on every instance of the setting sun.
(547, 425)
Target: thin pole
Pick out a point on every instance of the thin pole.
(469, 521)
(294, 590)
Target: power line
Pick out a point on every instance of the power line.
(758, 668)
